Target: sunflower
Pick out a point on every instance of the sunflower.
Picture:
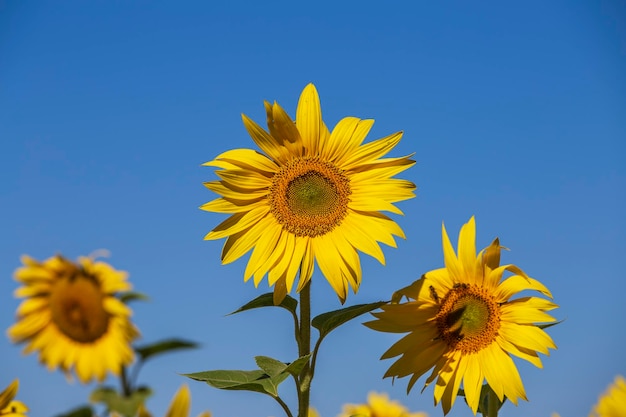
(462, 321)
(10, 407)
(179, 407)
(378, 405)
(312, 195)
(613, 402)
(71, 315)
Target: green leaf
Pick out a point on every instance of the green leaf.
(133, 296)
(163, 346)
(546, 325)
(275, 368)
(326, 322)
(483, 403)
(126, 406)
(270, 366)
(267, 300)
(257, 380)
(84, 411)
(296, 366)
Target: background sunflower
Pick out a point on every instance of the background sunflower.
(71, 316)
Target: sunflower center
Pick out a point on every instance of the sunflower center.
(468, 319)
(309, 197)
(77, 306)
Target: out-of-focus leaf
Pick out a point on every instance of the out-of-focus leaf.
(126, 406)
(84, 411)
(326, 322)
(163, 346)
(267, 300)
(129, 296)
(546, 325)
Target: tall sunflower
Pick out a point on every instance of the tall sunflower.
(311, 195)
(71, 315)
(462, 321)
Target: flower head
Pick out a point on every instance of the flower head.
(613, 402)
(462, 321)
(311, 195)
(71, 315)
(378, 405)
(10, 407)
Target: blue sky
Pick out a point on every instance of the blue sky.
(516, 114)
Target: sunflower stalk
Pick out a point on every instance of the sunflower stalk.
(304, 348)
(492, 404)
(124, 382)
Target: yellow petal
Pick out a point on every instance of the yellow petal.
(265, 246)
(237, 222)
(329, 261)
(371, 151)
(450, 259)
(9, 393)
(472, 382)
(248, 159)
(515, 284)
(309, 117)
(467, 247)
(360, 239)
(179, 407)
(340, 139)
(527, 336)
(264, 140)
(352, 142)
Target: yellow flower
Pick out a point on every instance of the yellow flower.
(379, 405)
(613, 402)
(10, 407)
(70, 314)
(312, 195)
(313, 412)
(462, 321)
(179, 407)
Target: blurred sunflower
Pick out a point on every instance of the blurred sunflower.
(462, 321)
(71, 315)
(179, 407)
(10, 407)
(378, 405)
(613, 402)
(312, 195)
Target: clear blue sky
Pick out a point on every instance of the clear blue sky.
(516, 113)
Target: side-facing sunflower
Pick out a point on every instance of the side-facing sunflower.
(71, 315)
(378, 405)
(311, 195)
(462, 321)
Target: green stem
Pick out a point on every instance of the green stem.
(492, 404)
(126, 388)
(304, 348)
(284, 406)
